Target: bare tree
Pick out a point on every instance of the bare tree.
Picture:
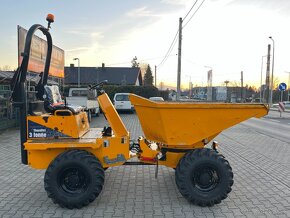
(134, 62)
(143, 68)
(234, 83)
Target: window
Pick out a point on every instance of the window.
(91, 94)
(79, 93)
(122, 98)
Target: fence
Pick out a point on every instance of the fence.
(8, 115)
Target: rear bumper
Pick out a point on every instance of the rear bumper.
(125, 109)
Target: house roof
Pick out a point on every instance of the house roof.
(114, 75)
(8, 75)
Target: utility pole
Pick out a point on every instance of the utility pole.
(262, 79)
(226, 82)
(209, 85)
(161, 85)
(189, 86)
(268, 75)
(288, 98)
(190, 89)
(272, 77)
(155, 76)
(242, 81)
(79, 71)
(179, 59)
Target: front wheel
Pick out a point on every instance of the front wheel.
(204, 177)
(74, 179)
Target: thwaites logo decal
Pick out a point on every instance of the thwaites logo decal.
(36, 130)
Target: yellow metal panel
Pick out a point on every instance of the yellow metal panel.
(182, 125)
(40, 159)
(58, 143)
(114, 147)
(172, 159)
(111, 151)
(112, 116)
(73, 126)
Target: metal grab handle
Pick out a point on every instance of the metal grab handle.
(60, 111)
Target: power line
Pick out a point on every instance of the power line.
(175, 37)
(169, 50)
(190, 10)
(193, 14)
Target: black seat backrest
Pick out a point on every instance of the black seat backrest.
(52, 95)
(53, 101)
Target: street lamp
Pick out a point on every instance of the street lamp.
(261, 78)
(79, 70)
(227, 82)
(271, 93)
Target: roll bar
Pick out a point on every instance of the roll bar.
(18, 84)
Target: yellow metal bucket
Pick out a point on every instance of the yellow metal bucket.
(188, 124)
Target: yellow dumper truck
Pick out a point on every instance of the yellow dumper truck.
(56, 136)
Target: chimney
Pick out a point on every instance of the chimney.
(103, 65)
(72, 65)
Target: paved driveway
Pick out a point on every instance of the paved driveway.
(261, 189)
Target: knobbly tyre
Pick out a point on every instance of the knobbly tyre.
(57, 137)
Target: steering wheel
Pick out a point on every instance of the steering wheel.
(98, 86)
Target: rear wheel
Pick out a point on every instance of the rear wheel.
(74, 179)
(204, 177)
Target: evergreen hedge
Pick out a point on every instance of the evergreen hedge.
(144, 91)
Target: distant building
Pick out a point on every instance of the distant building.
(222, 93)
(199, 93)
(7, 117)
(114, 75)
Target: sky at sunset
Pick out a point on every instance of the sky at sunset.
(228, 36)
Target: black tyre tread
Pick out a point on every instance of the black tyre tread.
(91, 161)
(182, 171)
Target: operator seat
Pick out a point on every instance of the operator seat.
(53, 101)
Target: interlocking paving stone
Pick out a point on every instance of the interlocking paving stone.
(261, 189)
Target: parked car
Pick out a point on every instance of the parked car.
(85, 98)
(122, 102)
(156, 99)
